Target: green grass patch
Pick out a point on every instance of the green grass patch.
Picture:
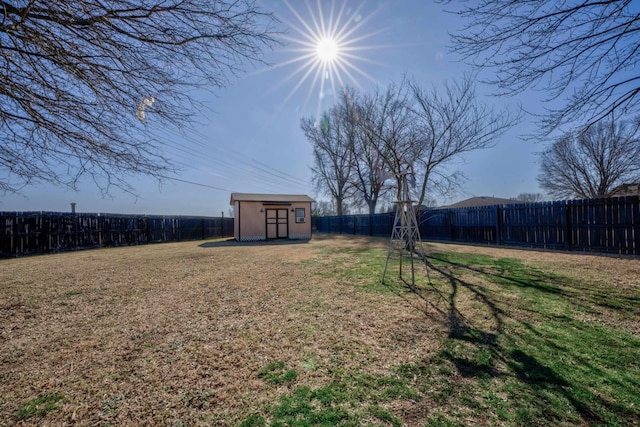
(364, 270)
(527, 345)
(276, 373)
(253, 420)
(347, 401)
(384, 415)
(39, 406)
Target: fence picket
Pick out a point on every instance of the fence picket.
(29, 233)
(598, 225)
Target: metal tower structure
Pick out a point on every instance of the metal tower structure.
(405, 239)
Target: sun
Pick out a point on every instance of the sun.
(327, 50)
(325, 47)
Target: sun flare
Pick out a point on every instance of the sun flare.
(326, 43)
(327, 50)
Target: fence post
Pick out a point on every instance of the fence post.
(498, 223)
(450, 224)
(45, 234)
(15, 236)
(17, 239)
(75, 228)
(567, 225)
(147, 229)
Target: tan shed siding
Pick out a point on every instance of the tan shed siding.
(300, 230)
(252, 222)
(236, 220)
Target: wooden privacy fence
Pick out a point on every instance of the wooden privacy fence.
(596, 225)
(29, 233)
(364, 225)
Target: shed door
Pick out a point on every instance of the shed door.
(277, 223)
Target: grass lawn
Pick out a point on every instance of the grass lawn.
(305, 334)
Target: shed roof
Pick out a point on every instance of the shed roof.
(250, 197)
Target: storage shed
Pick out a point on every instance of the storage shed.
(271, 216)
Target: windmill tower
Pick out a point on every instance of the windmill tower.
(405, 239)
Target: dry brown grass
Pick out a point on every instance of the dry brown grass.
(174, 334)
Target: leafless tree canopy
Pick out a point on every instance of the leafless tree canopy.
(403, 129)
(391, 127)
(331, 139)
(586, 53)
(452, 121)
(591, 162)
(82, 82)
(530, 197)
(366, 161)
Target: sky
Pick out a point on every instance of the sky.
(248, 138)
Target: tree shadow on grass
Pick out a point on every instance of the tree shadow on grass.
(498, 352)
(581, 294)
(541, 380)
(499, 273)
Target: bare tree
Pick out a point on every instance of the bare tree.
(406, 130)
(590, 163)
(83, 83)
(530, 197)
(390, 126)
(403, 131)
(451, 121)
(332, 155)
(322, 208)
(586, 52)
(368, 163)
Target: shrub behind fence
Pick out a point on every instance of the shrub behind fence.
(596, 225)
(30, 233)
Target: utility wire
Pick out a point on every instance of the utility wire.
(242, 158)
(260, 170)
(193, 183)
